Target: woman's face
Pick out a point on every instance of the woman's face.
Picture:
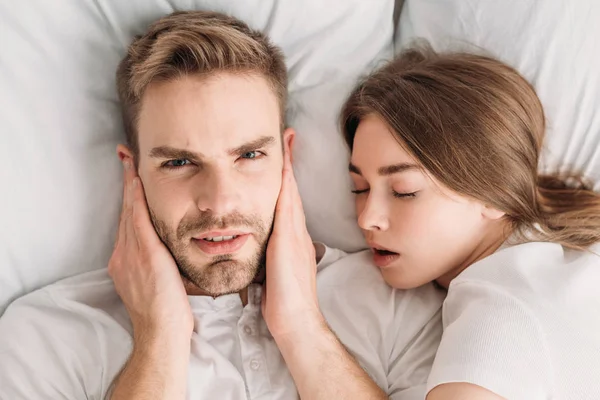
(418, 230)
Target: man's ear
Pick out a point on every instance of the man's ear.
(125, 154)
(492, 213)
(289, 136)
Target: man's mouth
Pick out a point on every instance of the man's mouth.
(220, 238)
(220, 235)
(218, 243)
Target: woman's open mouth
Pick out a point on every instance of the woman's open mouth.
(383, 258)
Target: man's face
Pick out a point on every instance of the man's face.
(210, 159)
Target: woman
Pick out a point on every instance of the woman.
(445, 151)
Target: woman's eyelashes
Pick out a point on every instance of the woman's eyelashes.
(398, 195)
(360, 191)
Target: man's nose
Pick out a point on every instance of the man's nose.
(218, 193)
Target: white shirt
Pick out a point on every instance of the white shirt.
(525, 324)
(70, 340)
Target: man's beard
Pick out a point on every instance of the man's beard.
(222, 274)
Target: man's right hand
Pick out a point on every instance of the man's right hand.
(148, 281)
(145, 274)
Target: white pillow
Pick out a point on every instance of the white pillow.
(60, 119)
(553, 43)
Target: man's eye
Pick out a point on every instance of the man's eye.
(252, 155)
(177, 163)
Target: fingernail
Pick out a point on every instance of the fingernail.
(135, 182)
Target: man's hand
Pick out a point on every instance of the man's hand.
(290, 296)
(144, 272)
(319, 363)
(148, 281)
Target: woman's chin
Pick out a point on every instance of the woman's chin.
(395, 278)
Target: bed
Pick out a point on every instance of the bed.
(60, 118)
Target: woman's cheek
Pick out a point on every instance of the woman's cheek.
(359, 202)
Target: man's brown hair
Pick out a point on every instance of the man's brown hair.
(477, 125)
(195, 42)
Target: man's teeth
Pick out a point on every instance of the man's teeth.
(219, 238)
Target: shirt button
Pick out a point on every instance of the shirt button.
(254, 365)
(247, 330)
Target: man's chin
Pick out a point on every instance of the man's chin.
(220, 277)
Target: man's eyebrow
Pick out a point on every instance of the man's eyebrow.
(252, 146)
(173, 153)
(397, 168)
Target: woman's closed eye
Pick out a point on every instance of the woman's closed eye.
(400, 195)
(360, 191)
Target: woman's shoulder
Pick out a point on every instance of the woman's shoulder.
(520, 321)
(535, 270)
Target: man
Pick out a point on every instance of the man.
(214, 279)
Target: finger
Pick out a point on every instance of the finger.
(293, 193)
(289, 210)
(120, 236)
(129, 237)
(121, 225)
(282, 208)
(287, 160)
(124, 188)
(292, 185)
(143, 229)
(263, 300)
(130, 175)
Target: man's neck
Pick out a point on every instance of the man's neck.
(193, 290)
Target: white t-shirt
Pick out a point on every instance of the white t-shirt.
(70, 340)
(525, 324)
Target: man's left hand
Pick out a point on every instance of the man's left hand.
(290, 295)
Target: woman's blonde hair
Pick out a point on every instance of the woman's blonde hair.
(477, 126)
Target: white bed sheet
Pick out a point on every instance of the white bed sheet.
(553, 43)
(60, 119)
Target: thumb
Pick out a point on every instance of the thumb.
(263, 300)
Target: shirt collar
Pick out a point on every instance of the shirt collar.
(227, 301)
